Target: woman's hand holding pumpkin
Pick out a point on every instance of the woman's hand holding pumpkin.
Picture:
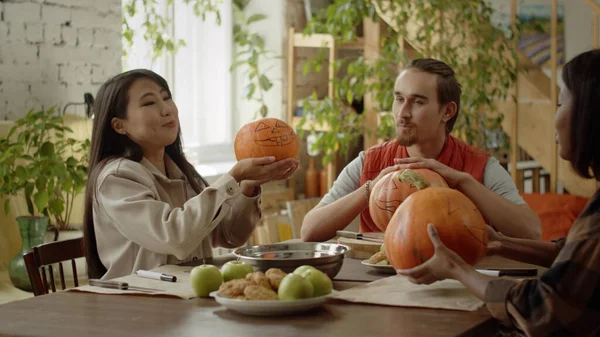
(453, 177)
(494, 241)
(442, 265)
(257, 171)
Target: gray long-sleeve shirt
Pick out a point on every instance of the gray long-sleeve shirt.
(495, 178)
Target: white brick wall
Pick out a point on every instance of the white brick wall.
(23, 12)
(53, 51)
(56, 15)
(34, 33)
(85, 36)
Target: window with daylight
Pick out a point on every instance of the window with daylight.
(199, 78)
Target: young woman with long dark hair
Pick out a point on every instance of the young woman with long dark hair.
(146, 205)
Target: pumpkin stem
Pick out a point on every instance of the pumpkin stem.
(414, 178)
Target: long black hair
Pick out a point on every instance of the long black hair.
(581, 76)
(111, 101)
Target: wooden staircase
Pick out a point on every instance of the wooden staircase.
(535, 111)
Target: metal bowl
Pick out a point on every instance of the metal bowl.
(327, 257)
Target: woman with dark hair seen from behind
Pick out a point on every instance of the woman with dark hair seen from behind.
(146, 205)
(565, 300)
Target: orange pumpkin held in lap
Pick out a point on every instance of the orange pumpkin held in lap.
(266, 137)
(457, 220)
(393, 188)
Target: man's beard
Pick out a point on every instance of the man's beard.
(407, 138)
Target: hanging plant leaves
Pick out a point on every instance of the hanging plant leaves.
(265, 83)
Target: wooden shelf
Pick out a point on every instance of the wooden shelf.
(324, 41)
(299, 40)
(313, 41)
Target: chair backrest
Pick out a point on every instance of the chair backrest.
(297, 209)
(46, 255)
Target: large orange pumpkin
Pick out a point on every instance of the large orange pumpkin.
(393, 188)
(266, 137)
(457, 220)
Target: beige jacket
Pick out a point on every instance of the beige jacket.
(143, 219)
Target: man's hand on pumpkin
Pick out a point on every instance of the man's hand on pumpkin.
(453, 177)
(384, 172)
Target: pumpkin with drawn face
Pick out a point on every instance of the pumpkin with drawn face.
(266, 137)
(393, 188)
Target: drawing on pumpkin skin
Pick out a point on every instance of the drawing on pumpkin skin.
(278, 135)
(450, 208)
(389, 205)
(470, 230)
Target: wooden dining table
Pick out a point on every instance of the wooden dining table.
(88, 314)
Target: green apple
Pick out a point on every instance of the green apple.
(321, 282)
(294, 287)
(205, 279)
(302, 269)
(235, 269)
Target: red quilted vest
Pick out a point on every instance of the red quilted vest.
(455, 154)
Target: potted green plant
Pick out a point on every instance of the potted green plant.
(456, 32)
(42, 163)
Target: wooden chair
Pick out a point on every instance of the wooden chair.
(48, 254)
(297, 209)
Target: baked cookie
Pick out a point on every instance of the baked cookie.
(275, 275)
(255, 292)
(233, 288)
(259, 278)
(377, 257)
